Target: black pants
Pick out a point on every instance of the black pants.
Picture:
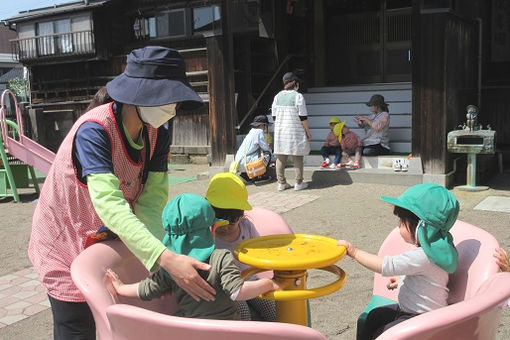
(375, 150)
(380, 319)
(72, 320)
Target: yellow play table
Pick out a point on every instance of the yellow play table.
(290, 256)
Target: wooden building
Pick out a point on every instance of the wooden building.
(431, 58)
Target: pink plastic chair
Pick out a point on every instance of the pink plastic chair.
(474, 318)
(136, 319)
(476, 268)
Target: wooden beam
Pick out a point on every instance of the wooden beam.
(222, 113)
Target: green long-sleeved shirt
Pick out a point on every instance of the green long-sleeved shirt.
(141, 231)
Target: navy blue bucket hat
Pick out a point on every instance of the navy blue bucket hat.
(154, 76)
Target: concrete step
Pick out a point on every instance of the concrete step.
(377, 162)
(373, 170)
(325, 177)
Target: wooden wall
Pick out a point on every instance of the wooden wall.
(444, 83)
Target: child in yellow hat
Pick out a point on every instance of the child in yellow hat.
(351, 145)
(229, 198)
(332, 144)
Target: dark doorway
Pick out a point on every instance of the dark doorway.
(368, 41)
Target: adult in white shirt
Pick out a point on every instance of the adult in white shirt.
(291, 133)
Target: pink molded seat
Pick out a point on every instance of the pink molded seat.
(135, 319)
(130, 323)
(473, 312)
(476, 263)
(476, 318)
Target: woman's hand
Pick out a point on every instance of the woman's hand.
(351, 249)
(183, 270)
(502, 259)
(392, 283)
(308, 135)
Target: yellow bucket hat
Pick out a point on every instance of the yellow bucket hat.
(337, 130)
(227, 191)
(334, 120)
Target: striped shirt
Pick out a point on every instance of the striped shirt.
(289, 134)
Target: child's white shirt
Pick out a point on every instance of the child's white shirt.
(248, 231)
(424, 287)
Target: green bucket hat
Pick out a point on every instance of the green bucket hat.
(437, 209)
(187, 219)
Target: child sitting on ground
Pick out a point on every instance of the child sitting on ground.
(351, 145)
(332, 144)
(187, 220)
(223, 187)
(426, 213)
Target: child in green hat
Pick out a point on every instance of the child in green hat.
(187, 219)
(426, 213)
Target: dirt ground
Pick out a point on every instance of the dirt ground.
(353, 212)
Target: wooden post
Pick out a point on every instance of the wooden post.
(443, 83)
(222, 113)
(319, 47)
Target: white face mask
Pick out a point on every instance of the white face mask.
(157, 115)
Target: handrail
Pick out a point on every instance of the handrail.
(51, 35)
(268, 85)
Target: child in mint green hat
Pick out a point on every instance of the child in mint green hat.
(426, 213)
(187, 219)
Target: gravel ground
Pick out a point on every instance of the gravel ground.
(353, 212)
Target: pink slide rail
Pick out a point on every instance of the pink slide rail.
(24, 149)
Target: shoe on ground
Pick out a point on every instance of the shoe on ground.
(332, 166)
(301, 186)
(355, 166)
(325, 164)
(343, 165)
(397, 164)
(349, 164)
(339, 166)
(283, 186)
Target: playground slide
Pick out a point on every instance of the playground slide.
(24, 149)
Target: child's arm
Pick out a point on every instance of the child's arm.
(252, 289)
(119, 288)
(366, 259)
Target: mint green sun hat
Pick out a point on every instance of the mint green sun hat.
(437, 209)
(187, 220)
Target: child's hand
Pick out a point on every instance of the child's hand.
(277, 285)
(392, 283)
(502, 259)
(351, 249)
(112, 282)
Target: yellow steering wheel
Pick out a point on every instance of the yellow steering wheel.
(293, 254)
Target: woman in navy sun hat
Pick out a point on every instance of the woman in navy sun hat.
(109, 179)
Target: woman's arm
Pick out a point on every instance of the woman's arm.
(116, 214)
(366, 259)
(381, 123)
(262, 141)
(307, 129)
